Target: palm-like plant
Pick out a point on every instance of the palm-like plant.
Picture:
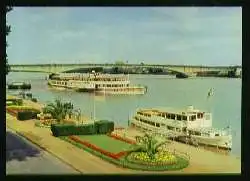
(58, 110)
(149, 144)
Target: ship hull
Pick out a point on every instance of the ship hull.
(222, 142)
(102, 91)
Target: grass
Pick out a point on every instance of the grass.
(107, 143)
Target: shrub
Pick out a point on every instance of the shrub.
(72, 129)
(26, 115)
(104, 126)
(34, 99)
(9, 103)
(29, 95)
(19, 102)
(23, 86)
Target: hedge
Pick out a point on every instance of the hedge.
(27, 115)
(98, 127)
(104, 126)
(24, 86)
(34, 99)
(72, 129)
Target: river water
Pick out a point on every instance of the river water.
(163, 91)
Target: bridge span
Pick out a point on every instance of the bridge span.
(183, 69)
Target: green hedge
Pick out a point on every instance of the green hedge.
(99, 127)
(26, 115)
(34, 99)
(104, 126)
(24, 86)
(72, 129)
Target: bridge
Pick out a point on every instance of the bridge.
(183, 69)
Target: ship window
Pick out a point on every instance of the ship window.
(168, 116)
(217, 134)
(108, 85)
(163, 125)
(179, 117)
(172, 116)
(199, 115)
(192, 118)
(170, 128)
(157, 125)
(198, 133)
(184, 118)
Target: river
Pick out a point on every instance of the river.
(163, 91)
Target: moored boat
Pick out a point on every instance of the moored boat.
(96, 82)
(188, 125)
(19, 85)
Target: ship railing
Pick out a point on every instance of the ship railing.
(135, 87)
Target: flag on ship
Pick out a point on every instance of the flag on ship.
(210, 93)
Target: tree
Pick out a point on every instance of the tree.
(149, 144)
(8, 30)
(58, 110)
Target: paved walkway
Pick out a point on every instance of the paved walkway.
(76, 157)
(23, 157)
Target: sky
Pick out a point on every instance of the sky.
(152, 35)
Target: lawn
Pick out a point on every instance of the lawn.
(107, 143)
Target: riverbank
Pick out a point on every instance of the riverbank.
(201, 161)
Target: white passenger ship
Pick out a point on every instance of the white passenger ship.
(187, 124)
(96, 82)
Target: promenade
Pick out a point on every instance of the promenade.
(201, 161)
(23, 157)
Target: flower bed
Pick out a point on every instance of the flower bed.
(161, 158)
(122, 161)
(12, 112)
(116, 136)
(41, 125)
(119, 128)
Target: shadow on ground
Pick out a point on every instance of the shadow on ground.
(19, 149)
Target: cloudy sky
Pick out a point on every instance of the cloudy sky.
(164, 35)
